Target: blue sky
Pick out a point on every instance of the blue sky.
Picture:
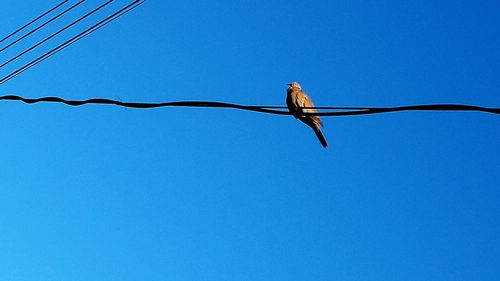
(106, 193)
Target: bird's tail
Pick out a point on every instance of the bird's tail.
(319, 134)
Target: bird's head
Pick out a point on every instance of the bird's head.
(294, 85)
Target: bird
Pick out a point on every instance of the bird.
(296, 100)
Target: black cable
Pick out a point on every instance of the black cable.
(55, 34)
(72, 40)
(257, 108)
(42, 25)
(32, 21)
(427, 107)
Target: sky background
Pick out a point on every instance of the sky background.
(106, 193)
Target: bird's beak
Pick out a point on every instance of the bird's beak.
(289, 84)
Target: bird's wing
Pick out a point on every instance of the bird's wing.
(303, 100)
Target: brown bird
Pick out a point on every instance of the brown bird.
(296, 99)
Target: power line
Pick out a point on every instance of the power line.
(32, 21)
(72, 40)
(56, 33)
(42, 25)
(345, 111)
(207, 104)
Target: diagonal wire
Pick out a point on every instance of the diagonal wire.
(32, 21)
(72, 40)
(55, 34)
(42, 25)
(347, 111)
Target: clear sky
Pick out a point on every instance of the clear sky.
(106, 193)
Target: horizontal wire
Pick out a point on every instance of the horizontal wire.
(207, 104)
(32, 21)
(258, 108)
(72, 40)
